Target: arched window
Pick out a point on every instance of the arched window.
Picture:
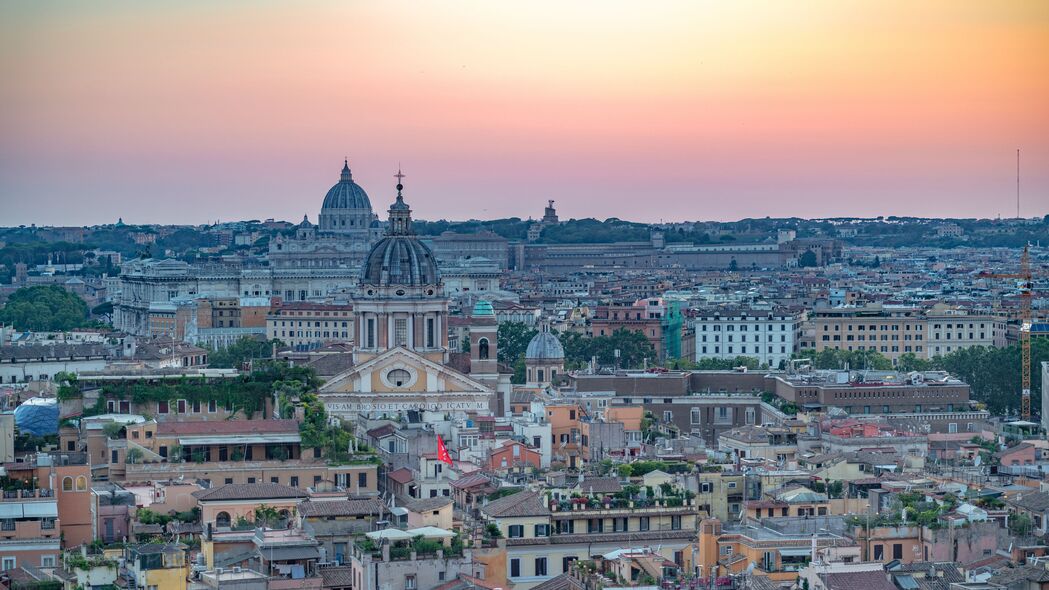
(81, 483)
(67, 484)
(482, 349)
(222, 519)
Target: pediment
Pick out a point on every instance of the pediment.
(402, 371)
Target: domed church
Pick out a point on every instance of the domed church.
(401, 346)
(346, 230)
(347, 210)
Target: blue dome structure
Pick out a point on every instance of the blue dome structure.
(37, 416)
(483, 307)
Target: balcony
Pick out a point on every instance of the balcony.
(576, 508)
(22, 495)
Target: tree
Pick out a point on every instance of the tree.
(909, 361)
(633, 348)
(44, 308)
(513, 339)
(241, 351)
(807, 259)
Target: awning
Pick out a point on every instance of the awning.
(289, 553)
(431, 532)
(11, 510)
(239, 439)
(389, 535)
(40, 509)
(796, 552)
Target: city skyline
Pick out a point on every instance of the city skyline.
(191, 112)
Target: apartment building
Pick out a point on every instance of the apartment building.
(771, 335)
(306, 325)
(644, 317)
(892, 330)
(950, 329)
(229, 452)
(545, 535)
(52, 510)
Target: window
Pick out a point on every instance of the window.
(229, 480)
(222, 519)
(695, 416)
(897, 550)
(482, 349)
(400, 332)
(540, 566)
(294, 481)
(399, 377)
(675, 522)
(643, 523)
(515, 568)
(566, 563)
(430, 333)
(81, 484)
(67, 484)
(47, 561)
(362, 480)
(8, 563)
(879, 552)
(212, 406)
(668, 416)
(515, 531)
(162, 407)
(409, 582)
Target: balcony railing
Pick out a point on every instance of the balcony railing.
(16, 495)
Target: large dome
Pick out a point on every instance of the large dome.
(346, 194)
(400, 260)
(545, 346)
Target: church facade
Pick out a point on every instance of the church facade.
(401, 346)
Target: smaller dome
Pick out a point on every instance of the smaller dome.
(483, 307)
(545, 346)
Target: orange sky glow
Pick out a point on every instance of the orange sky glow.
(187, 112)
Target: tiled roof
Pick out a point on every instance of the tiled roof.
(560, 582)
(337, 577)
(599, 485)
(519, 504)
(248, 491)
(869, 580)
(382, 431)
(402, 475)
(1035, 501)
(329, 365)
(469, 481)
(353, 507)
(220, 427)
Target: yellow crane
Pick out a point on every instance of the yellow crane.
(1026, 288)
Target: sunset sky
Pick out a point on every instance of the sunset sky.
(188, 112)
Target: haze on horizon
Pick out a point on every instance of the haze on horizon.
(188, 112)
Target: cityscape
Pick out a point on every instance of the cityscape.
(227, 365)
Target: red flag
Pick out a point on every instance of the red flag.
(442, 452)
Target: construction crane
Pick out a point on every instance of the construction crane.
(1026, 288)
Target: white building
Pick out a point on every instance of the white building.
(769, 335)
